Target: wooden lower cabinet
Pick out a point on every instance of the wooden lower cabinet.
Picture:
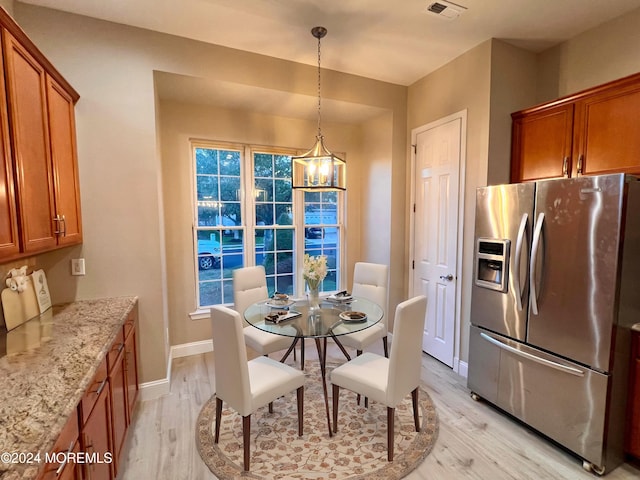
(633, 411)
(97, 430)
(65, 447)
(96, 440)
(118, 388)
(131, 372)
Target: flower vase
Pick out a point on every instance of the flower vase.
(313, 296)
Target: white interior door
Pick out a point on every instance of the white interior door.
(435, 231)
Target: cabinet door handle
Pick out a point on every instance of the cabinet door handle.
(580, 162)
(61, 225)
(66, 459)
(565, 167)
(101, 387)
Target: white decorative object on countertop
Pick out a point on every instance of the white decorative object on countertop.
(19, 301)
(17, 279)
(42, 290)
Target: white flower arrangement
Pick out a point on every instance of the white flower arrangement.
(314, 270)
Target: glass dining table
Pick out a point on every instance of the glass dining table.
(331, 320)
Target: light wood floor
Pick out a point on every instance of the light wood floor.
(475, 440)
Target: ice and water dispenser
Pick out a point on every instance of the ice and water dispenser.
(492, 264)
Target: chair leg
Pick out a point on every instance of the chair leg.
(414, 399)
(218, 418)
(391, 413)
(385, 345)
(358, 353)
(335, 394)
(246, 434)
(302, 354)
(300, 395)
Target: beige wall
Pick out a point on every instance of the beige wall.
(513, 87)
(602, 54)
(7, 5)
(121, 175)
(462, 84)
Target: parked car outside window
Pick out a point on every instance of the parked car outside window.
(208, 253)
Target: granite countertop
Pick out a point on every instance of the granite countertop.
(43, 380)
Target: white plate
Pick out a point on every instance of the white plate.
(341, 298)
(282, 318)
(276, 304)
(353, 317)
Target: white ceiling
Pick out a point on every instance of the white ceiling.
(391, 41)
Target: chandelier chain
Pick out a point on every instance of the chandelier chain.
(319, 115)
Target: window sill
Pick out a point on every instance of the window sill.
(200, 314)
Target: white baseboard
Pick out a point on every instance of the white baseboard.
(193, 348)
(461, 368)
(159, 388)
(155, 389)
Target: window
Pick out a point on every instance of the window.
(247, 214)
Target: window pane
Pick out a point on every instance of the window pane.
(283, 214)
(231, 215)
(283, 167)
(230, 188)
(264, 190)
(229, 162)
(322, 235)
(216, 262)
(284, 239)
(283, 190)
(206, 161)
(207, 188)
(264, 214)
(263, 165)
(208, 216)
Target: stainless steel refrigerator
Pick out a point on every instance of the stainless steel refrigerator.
(556, 288)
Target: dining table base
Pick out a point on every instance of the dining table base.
(321, 347)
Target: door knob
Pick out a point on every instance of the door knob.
(448, 278)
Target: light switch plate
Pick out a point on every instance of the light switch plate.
(77, 266)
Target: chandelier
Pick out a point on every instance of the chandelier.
(318, 169)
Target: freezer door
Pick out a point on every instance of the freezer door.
(503, 217)
(574, 267)
(563, 400)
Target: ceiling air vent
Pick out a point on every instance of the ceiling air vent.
(445, 10)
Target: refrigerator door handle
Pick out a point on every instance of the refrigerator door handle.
(534, 260)
(517, 259)
(533, 358)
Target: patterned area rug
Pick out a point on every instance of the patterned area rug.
(357, 452)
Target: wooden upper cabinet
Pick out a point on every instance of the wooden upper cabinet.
(541, 143)
(592, 132)
(9, 241)
(40, 201)
(65, 163)
(608, 132)
(26, 86)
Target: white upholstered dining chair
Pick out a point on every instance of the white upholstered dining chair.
(370, 281)
(388, 380)
(247, 385)
(250, 286)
